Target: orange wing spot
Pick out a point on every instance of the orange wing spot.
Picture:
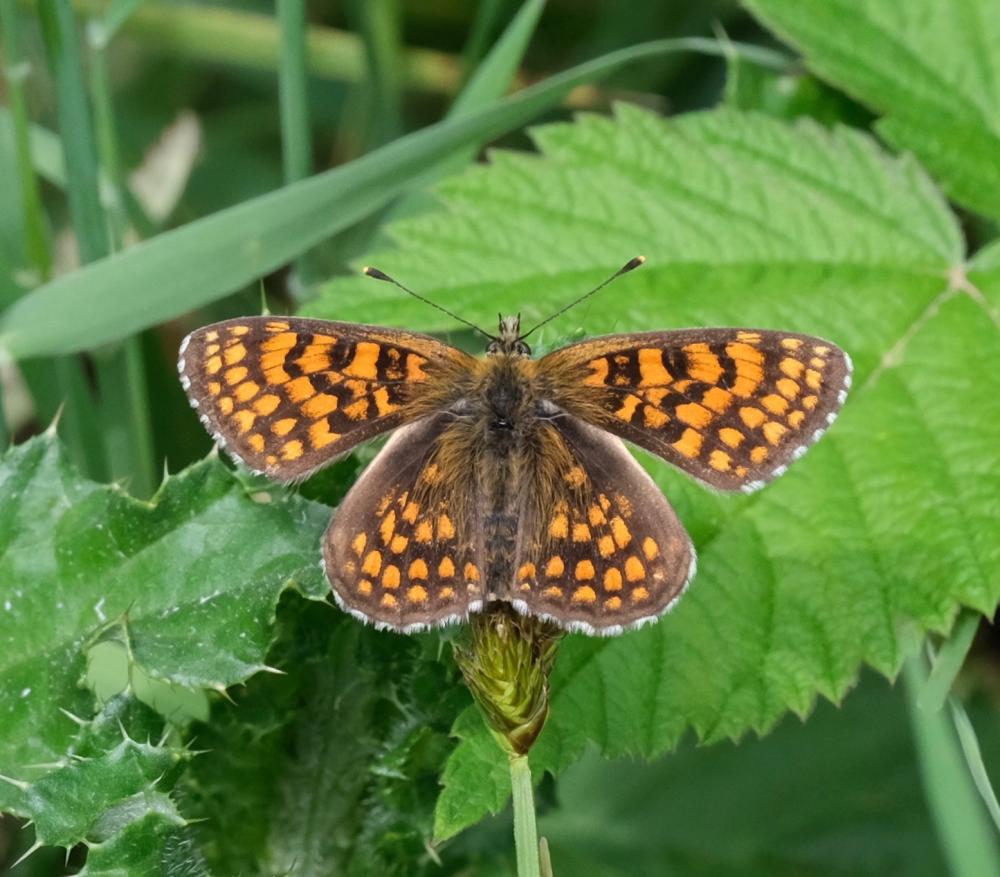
(271, 459)
(689, 444)
(382, 403)
(234, 375)
(446, 568)
(446, 593)
(211, 350)
(627, 411)
(814, 380)
(391, 577)
(553, 592)
(246, 391)
(720, 461)
(214, 387)
(364, 363)
(612, 579)
(694, 414)
(656, 395)
(576, 477)
(357, 410)
(606, 546)
(596, 516)
(791, 367)
(559, 527)
(416, 594)
(424, 531)
(213, 364)
(445, 528)
(809, 402)
(471, 572)
(387, 526)
(292, 450)
(274, 359)
(752, 417)
(787, 387)
(581, 533)
(702, 364)
(314, 359)
(791, 343)
(277, 375)
(226, 405)
(244, 419)
(634, 570)
(212, 335)
(638, 595)
(410, 512)
(651, 370)
(584, 594)
(234, 354)
(364, 587)
(256, 441)
(751, 337)
(266, 404)
(584, 571)
(604, 501)
(280, 343)
(418, 569)
(414, 367)
(300, 389)
(284, 426)
(741, 471)
(320, 406)
(795, 418)
(817, 362)
(432, 474)
(358, 544)
(650, 548)
(759, 454)
(398, 544)
(620, 531)
(773, 431)
(527, 571)
(775, 404)
(613, 603)
(389, 601)
(598, 373)
(654, 418)
(373, 563)
(555, 567)
(717, 399)
(821, 350)
(681, 386)
(277, 326)
(320, 435)
(357, 388)
(732, 437)
(383, 504)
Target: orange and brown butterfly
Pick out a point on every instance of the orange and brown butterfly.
(507, 479)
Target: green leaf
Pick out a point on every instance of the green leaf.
(187, 582)
(984, 274)
(928, 67)
(886, 527)
(181, 269)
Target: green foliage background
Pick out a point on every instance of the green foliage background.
(177, 695)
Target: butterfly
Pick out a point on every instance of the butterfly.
(507, 478)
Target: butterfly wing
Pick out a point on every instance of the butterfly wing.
(287, 395)
(607, 552)
(732, 407)
(405, 547)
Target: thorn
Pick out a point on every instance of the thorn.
(54, 425)
(265, 668)
(81, 722)
(17, 784)
(46, 765)
(221, 689)
(37, 845)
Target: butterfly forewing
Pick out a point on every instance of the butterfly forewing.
(609, 552)
(405, 548)
(732, 407)
(287, 395)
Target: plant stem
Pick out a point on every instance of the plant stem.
(525, 831)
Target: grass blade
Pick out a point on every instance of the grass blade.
(948, 661)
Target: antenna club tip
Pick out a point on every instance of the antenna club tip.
(633, 263)
(371, 271)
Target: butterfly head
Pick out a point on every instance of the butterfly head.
(508, 341)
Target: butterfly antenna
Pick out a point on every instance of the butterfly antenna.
(628, 266)
(381, 275)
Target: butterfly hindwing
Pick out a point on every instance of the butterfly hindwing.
(405, 548)
(287, 395)
(732, 407)
(608, 552)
